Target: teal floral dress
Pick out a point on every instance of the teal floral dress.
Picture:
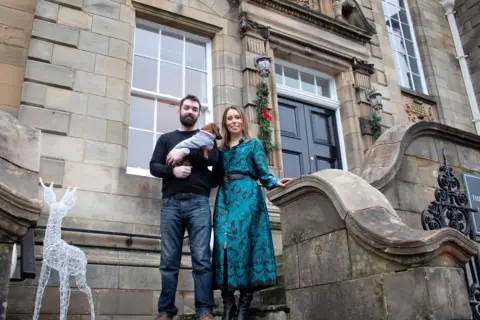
(241, 222)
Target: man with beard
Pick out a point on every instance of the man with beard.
(186, 189)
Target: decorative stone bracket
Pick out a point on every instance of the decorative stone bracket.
(19, 167)
(383, 161)
(19, 208)
(341, 235)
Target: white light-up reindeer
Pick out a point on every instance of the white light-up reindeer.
(59, 255)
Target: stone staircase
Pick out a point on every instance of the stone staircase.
(267, 304)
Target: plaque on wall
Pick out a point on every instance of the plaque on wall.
(472, 186)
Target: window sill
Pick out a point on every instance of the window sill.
(144, 172)
(420, 96)
(139, 172)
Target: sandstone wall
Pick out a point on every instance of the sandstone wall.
(16, 19)
(468, 21)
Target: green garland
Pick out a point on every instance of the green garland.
(375, 125)
(264, 118)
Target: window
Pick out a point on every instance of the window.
(311, 83)
(404, 45)
(167, 65)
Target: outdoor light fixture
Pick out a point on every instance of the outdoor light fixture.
(375, 99)
(262, 63)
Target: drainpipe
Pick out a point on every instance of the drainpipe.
(448, 5)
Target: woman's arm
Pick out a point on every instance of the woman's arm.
(260, 164)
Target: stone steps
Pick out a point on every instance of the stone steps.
(267, 304)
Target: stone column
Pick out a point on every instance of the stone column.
(350, 113)
(19, 210)
(254, 43)
(15, 33)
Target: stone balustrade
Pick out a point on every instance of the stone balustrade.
(347, 255)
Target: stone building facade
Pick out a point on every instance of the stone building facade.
(469, 26)
(102, 78)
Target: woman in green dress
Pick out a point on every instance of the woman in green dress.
(243, 254)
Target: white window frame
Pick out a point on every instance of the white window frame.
(207, 108)
(415, 48)
(316, 100)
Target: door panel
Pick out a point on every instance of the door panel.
(294, 147)
(294, 162)
(322, 140)
(309, 138)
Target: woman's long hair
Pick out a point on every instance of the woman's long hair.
(226, 133)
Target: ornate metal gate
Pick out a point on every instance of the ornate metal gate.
(449, 210)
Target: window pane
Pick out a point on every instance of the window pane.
(141, 112)
(396, 43)
(196, 84)
(418, 83)
(410, 48)
(167, 116)
(406, 31)
(146, 42)
(171, 81)
(171, 47)
(291, 77)
(395, 26)
(401, 3)
(403, 62)
(140, 148)
(406, 79)
(145, 73)
(397, 67)
(278, 74)
(392, 11)
(308, 84)
(195, 55)
(389, 24)
(413, 65)
(323, 87)
(403, 16)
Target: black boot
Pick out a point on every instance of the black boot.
(244, 305)
(229, 307)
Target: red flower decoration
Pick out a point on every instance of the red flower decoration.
(266, 115)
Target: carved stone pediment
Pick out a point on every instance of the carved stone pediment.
(343, 17)
(351, 12)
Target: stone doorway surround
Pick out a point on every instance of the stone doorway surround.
(309, 35)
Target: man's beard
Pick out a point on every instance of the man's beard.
(188, 120)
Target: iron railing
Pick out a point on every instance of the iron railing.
(27, 257)
(449, 210)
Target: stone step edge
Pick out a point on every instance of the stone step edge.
(265, 309)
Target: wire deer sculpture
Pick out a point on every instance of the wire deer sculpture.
(59, 255)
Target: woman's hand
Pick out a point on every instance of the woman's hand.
(282, 182)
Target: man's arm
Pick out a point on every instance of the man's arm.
(158, 168)
(197, 159)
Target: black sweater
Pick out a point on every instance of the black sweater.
(200, 180)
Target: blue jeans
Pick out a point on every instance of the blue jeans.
(194, 215)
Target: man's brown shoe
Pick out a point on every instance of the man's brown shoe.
(164, 317)
(206, 316)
